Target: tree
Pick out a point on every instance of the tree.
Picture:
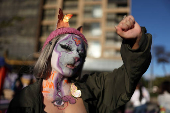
(162, 57)
(158, 80)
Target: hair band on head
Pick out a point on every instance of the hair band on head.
(63, 27)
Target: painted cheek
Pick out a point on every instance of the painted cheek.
(55, 61)
(64, 60)
(60, 62)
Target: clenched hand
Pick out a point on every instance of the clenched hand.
(128, 28)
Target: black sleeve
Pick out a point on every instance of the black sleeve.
(114, 89)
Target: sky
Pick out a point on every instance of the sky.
(155, 16)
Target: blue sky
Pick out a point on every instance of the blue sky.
(155, 16)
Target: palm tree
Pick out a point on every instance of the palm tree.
(162, 57)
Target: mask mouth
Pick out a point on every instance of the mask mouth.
(74, 65)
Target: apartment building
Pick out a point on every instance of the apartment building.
(98, 18)
(18, 28)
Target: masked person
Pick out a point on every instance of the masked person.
(58, 88)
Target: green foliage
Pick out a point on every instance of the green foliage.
(162, 56)
(9, 22)
(158, 81)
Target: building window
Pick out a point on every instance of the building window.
(92, 0)
(114, 18)
(111, 53)
(92, 30)
(112, 39)
(46, 30)
(96, 29)
(117, 3)
(92, 11)
(49, 14)
(94, 49)
(70, 4)
(50, 1)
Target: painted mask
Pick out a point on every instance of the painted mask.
(68, 55)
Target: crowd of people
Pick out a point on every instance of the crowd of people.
(141, 102)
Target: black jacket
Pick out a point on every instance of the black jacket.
(101, 92)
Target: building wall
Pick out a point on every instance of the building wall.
(98, 18)
(18, 28)
(25, 25)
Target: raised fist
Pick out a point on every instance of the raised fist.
(128, 28)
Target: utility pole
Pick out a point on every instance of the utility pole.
(152, 72)
(152, 66)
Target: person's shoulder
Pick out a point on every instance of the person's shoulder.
(27, 95)
(93, 75)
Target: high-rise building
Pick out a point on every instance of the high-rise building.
(98, 18)
(18, 29)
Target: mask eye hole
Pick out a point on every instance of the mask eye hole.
(66, 47)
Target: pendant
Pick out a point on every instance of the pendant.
(75, 93)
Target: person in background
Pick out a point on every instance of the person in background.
(164, 97)
(18, 85)
(4, 69)
(140, 98)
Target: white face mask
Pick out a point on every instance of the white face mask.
(68, 55)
